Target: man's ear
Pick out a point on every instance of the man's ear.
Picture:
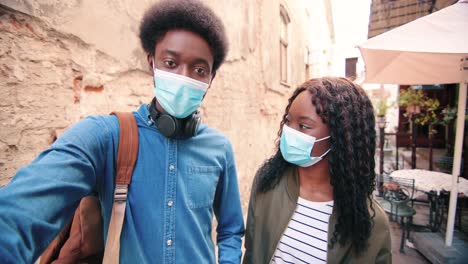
(149, 58)
(211, 81)
(212, 77)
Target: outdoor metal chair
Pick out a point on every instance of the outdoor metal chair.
(398, 194)
(462, 202)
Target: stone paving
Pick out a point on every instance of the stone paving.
(430, 244)
(420, 221)
(410, 254)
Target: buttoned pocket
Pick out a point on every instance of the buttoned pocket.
(201, 186)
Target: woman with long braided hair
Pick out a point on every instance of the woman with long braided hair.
(311, 202)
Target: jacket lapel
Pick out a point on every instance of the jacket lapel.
(338, 252)
(286, 201)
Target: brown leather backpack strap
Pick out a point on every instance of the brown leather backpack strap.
(128, 147)
(126, 158)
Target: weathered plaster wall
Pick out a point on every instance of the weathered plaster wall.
(50, 80)
(63, 60)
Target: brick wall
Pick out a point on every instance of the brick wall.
(388, 14)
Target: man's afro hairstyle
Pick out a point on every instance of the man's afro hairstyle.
(190, 15)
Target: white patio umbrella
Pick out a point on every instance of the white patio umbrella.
(429, 50)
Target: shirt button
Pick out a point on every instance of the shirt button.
(169, 242)
(171, 167)
(170, 203)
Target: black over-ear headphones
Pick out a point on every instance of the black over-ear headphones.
(172, 127)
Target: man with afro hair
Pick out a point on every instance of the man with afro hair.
(189, 15)
(185, 173)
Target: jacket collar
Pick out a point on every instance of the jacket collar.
(292, 188)
(292, 184)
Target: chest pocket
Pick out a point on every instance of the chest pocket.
(201, 187)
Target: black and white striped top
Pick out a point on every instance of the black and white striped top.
(306, 237)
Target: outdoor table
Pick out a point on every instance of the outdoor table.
(433, 183)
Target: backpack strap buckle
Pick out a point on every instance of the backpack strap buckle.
(120, 192)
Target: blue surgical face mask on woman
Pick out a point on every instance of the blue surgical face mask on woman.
(179, 95)
(296, 147)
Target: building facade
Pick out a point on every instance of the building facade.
(389, 14)
(62, 61)
(386, 15)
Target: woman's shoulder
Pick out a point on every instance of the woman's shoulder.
(380, 217)
(272, 179)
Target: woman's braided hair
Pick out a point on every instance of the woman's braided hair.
(346, 109)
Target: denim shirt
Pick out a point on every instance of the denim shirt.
(177, 186)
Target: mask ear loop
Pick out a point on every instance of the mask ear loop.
(318, 140)
(326, 152)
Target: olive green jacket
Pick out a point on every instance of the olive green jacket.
(269, 215)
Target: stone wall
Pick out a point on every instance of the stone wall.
(63, 60)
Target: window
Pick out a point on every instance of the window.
(350, 70)
(284, 45)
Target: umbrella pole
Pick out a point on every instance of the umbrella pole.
(456, 163)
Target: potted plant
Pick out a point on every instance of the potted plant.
(413, 100)
(381, 108)
(445, 162)
(448, 115)
(429, 116)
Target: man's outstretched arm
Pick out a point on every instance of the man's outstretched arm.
(42, 196)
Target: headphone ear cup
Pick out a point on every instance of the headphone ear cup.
(168, 125)
(192, 124)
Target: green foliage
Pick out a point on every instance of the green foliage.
(448, 114)
(412, 97)
(428, 113)
(381, 107)
(429, 108)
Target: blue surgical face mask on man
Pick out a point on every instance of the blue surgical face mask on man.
(296, 147)
(179, 95)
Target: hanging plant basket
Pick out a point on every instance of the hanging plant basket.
(413, 100)
(381, 121)
(413, 109)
